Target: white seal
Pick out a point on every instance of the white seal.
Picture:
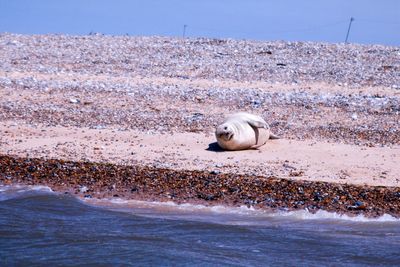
(243, 131)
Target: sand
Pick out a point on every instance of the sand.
(291, 159)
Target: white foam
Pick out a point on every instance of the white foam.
(322, 214)
(242, 212)
(15, 191)
(24, 188)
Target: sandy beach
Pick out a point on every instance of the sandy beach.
(135, 117)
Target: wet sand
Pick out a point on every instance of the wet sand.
(123, 106)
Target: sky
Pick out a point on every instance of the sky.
(375, 22)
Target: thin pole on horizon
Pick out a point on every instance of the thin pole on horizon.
(184, 31)
(348, 30)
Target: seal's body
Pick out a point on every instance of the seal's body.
(243, 131)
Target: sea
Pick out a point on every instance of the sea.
(40, 227)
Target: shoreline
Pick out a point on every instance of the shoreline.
(141, 112)
(104, 180)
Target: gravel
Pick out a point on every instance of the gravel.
(284, 62)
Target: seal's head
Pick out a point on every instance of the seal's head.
(224, 132)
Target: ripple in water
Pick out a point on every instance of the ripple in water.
(40, 227)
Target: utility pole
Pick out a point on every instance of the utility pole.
(184, 31)
(348, 30)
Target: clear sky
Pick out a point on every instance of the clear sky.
(313, 20)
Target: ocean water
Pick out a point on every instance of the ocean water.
(375, 22)
(39, 227)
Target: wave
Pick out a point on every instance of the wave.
(218, 213)
(8, 192)
(254, 216)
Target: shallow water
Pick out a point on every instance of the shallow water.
(40, 227)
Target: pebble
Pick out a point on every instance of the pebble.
(83, 189)
(74, 101)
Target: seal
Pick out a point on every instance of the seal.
(243, 131)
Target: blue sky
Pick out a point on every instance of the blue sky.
(313, 20)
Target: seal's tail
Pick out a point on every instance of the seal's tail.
(273, 136)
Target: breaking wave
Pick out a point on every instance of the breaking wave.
(243, 214)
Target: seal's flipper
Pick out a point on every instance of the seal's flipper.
(261, 135)
(257, 133)
(257, 122)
